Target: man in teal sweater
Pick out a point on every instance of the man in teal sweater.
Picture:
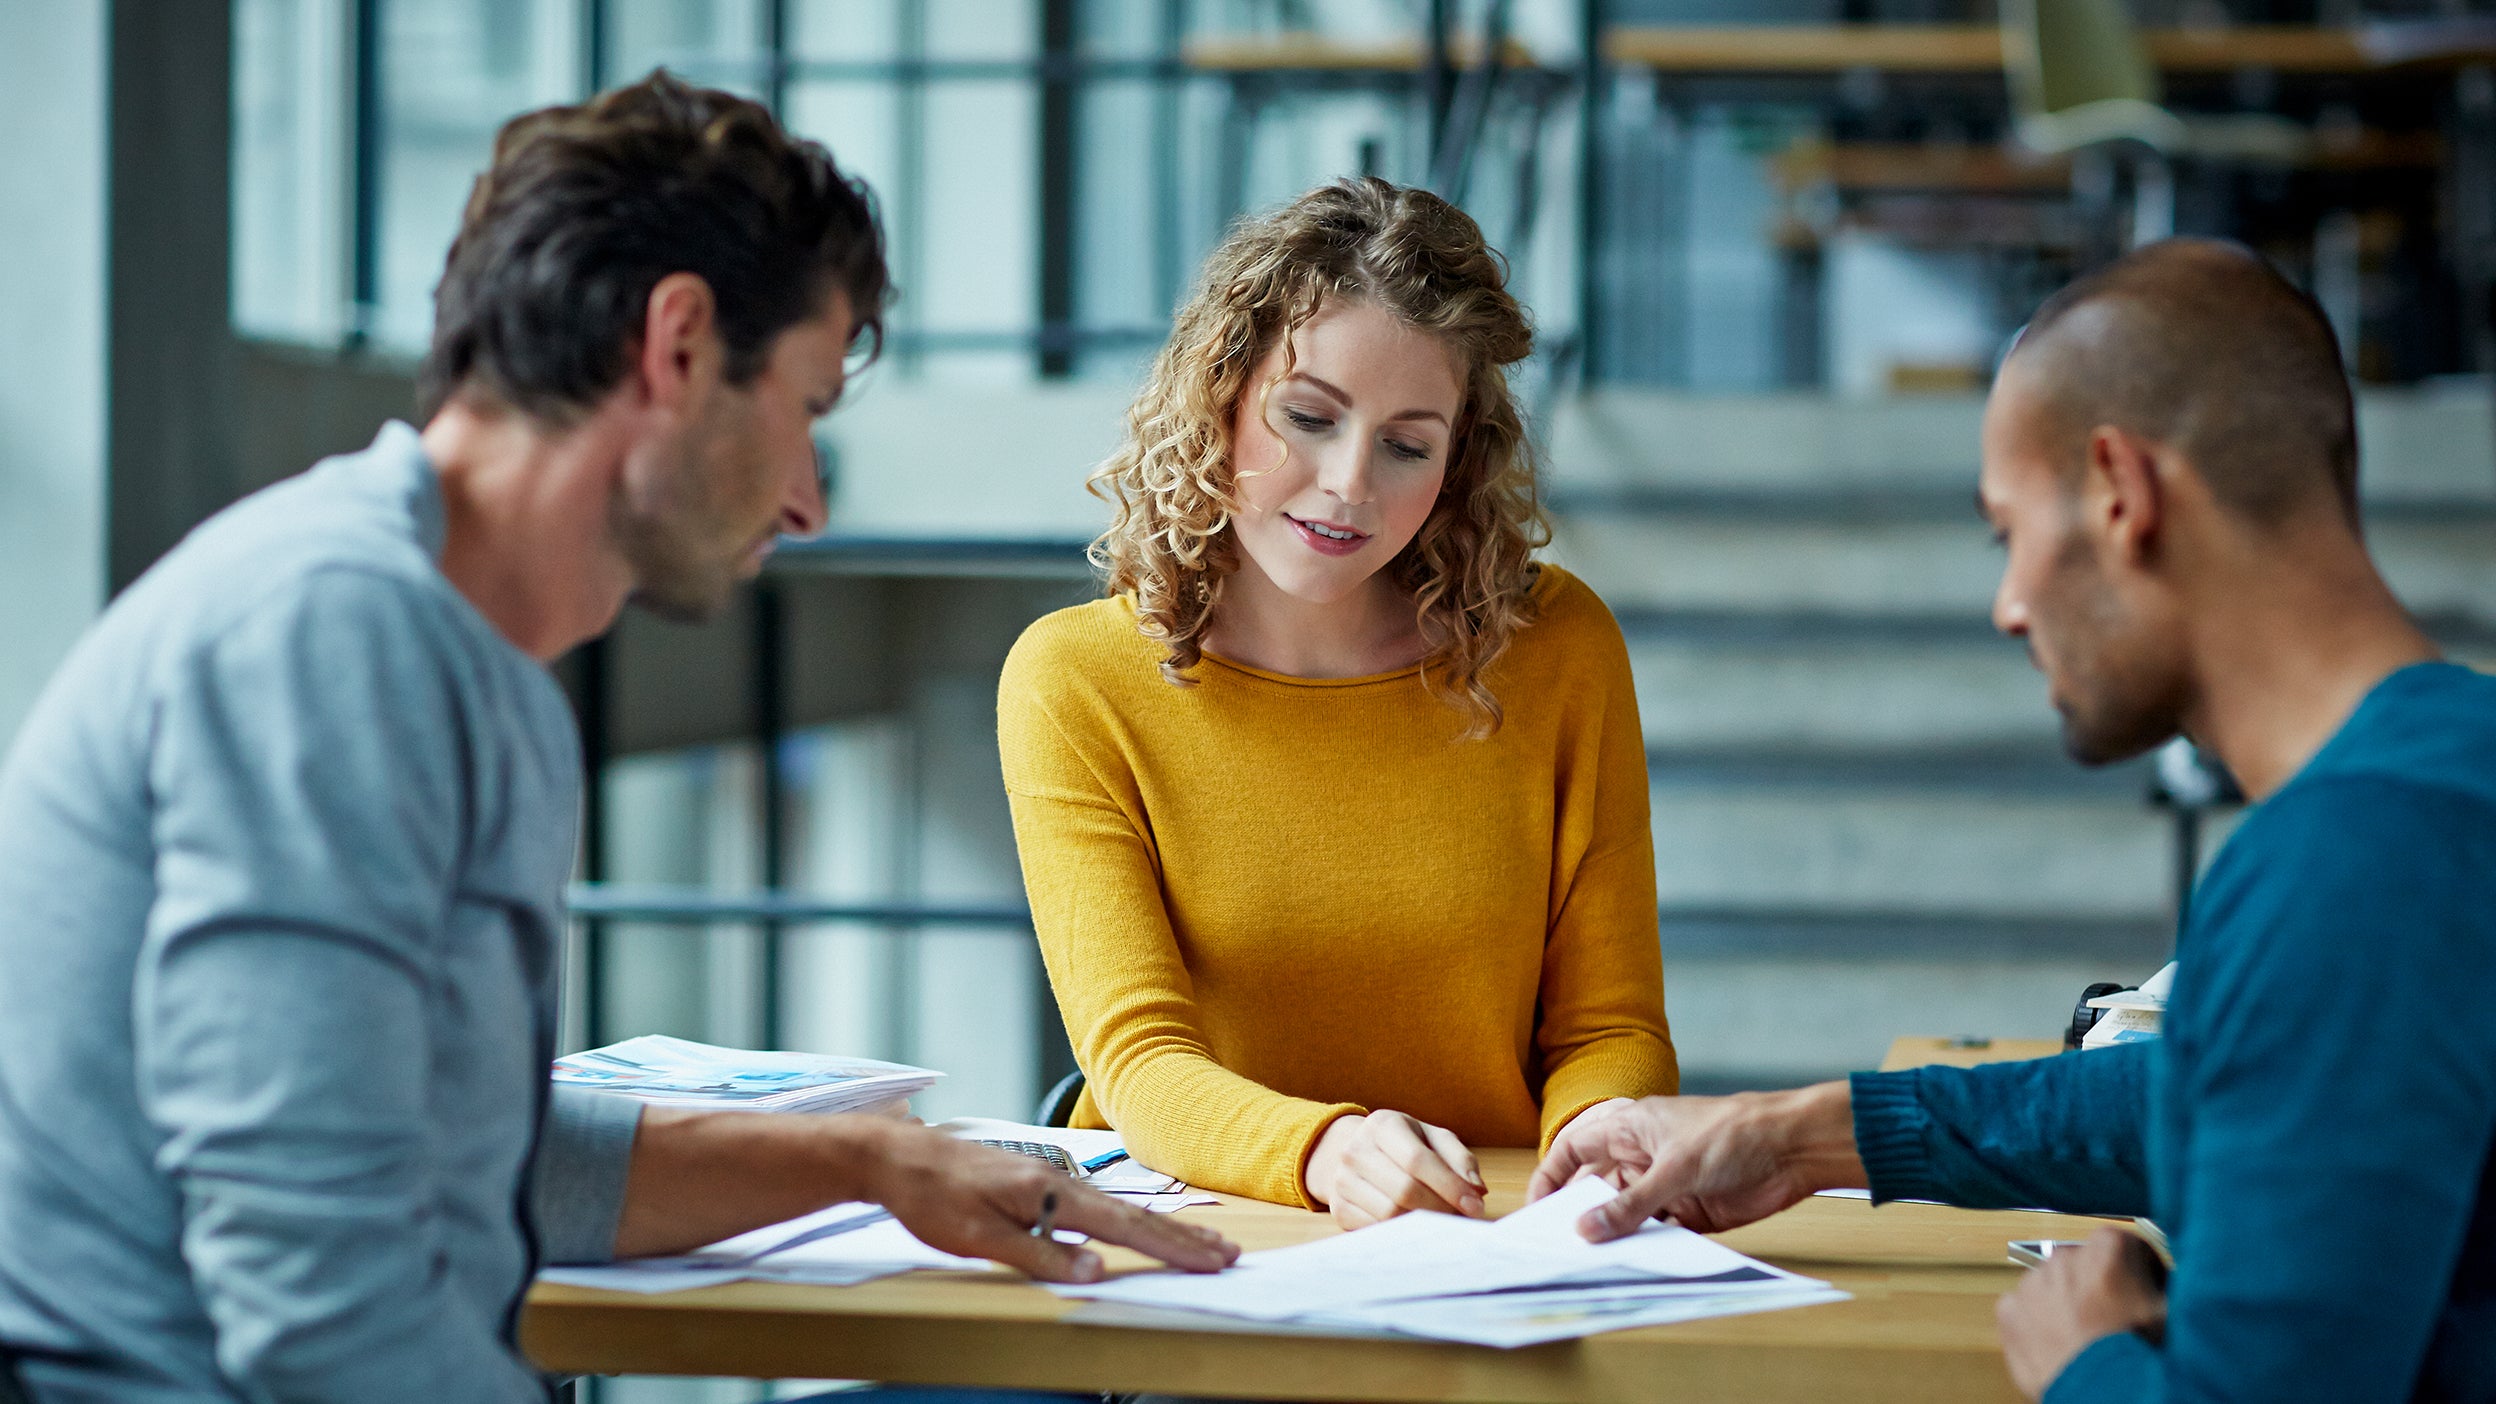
(2170, 461)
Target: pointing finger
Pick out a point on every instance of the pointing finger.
(1644, 1198)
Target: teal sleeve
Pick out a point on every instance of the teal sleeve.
(2055, 1133)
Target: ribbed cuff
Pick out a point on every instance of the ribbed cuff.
(1326, 1117)
(2120, 1366)
(1554, 1125)
(1621, 1067)
(1890, 1128)
(576, 1186)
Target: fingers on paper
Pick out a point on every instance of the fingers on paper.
(1566, 1161)
(1162, 1236)
(1046, 1258)
(1646, 1197)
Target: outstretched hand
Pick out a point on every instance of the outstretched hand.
(700, 1176)
(1708, 1163)
(982, 1203)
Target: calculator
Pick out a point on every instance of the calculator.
(1054, 1156)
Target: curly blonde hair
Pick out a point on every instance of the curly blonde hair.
(1470, 568)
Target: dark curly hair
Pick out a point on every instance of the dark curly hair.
(1421, 260)
(585, 208)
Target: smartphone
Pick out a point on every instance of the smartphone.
(2032, 1252)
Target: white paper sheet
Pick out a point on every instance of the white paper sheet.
(839, 1246)
(1509, 1320)
(1436, 1272)
(647, 1276)
(883, 1246)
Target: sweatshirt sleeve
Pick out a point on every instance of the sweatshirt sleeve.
(1125, 995)
(308, 825)
(2054, 1133)
(576, 1182)
(2336, 1075)
(1601, 1032)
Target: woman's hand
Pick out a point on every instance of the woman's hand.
(1374, 1167)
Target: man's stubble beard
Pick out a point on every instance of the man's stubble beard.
(677, 572)
(2114, 702)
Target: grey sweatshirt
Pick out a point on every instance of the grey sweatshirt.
(282, 854)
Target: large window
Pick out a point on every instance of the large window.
(1050, 171)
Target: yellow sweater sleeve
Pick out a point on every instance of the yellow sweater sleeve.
(1602, 1032)
(1096, 901)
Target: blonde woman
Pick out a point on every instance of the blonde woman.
(1333, 813)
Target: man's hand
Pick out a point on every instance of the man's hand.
(1374, 1167)
(2114, 1282)
(1709, 1163)
(699, 1177)
(983, 1203)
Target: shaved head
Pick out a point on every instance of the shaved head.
(2199, 345)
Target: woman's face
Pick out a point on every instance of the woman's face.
(1343, 464)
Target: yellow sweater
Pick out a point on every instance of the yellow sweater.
(1268, 901)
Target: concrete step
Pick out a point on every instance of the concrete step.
(2021, 768)
(2437, 557)
(1828, 682)
(1865, 697)
(2429, 443)
(1822, 849)
(1781, 1022)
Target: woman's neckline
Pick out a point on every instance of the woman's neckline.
(1543, 577)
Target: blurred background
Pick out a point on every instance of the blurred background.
(1774, 248)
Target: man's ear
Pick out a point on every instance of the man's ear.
(2120, 492)
(679, 359)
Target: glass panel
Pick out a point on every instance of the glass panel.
(289, 177)
(717, 43)
(975, 230)
(847, 31)
(452, 72)
(982, 29)
(1126, 29)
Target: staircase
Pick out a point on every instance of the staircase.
(1865, 825)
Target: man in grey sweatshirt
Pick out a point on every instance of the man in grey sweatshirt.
(286, 837)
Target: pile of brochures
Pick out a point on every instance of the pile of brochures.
(1517, 1281)
(841, 1246)
(676, 1072)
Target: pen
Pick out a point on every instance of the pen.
(1104, 1160)
(1048, 1216)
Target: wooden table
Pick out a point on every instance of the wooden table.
(1966, 1052)
(1920, 1327)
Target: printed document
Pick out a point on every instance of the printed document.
(677, 1072)
(1514, 1281)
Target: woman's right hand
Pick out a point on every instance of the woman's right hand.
(1374, 1167)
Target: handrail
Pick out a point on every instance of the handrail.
(662, 902)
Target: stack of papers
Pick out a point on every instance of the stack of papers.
(1522, 1280)
(676, 1072)
(840, 1246)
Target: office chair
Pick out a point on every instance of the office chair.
(1057, 1108)
(2081, 85)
